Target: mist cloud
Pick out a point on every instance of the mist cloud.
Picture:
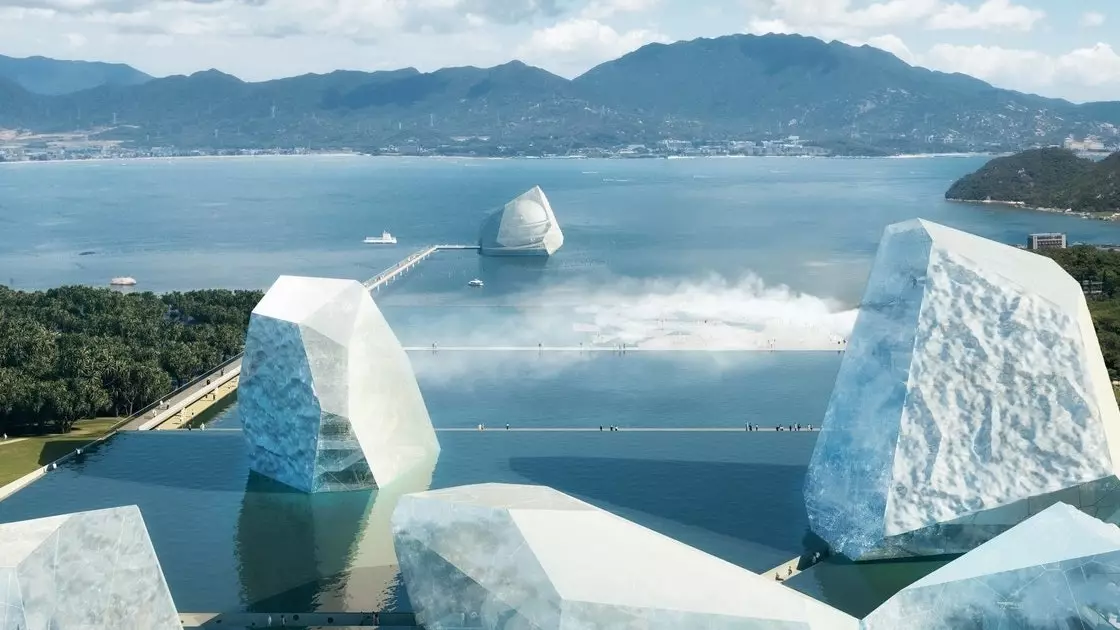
(715, 315)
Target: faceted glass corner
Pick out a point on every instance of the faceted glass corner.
(1057, 569)
(328, 398)
(93, 569)
(946, 426)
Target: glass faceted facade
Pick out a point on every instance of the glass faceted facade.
(92, 569)
(972, 395)
(328, 399)
(1058, 569)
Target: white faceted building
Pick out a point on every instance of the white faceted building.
(516, 557)
(972, 395)
(327, 398)
(87, 570)
(525, 226)
(1058, 569)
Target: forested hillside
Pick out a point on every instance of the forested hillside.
(1089, 264)
(79, 352)
(1045, 178)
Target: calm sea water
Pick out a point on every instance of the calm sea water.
(652, 247)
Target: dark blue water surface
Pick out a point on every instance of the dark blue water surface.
(700, 243)
(229, 541)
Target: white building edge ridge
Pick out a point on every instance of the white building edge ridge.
(515, 556)
(328, 398)
(1059, 568)
(972, 395)
(526, 226)
(94, 570)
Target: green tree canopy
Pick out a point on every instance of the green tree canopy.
(77, 352)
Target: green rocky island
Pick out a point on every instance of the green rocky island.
(1046, 179)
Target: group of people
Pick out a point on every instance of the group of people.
(789, 427)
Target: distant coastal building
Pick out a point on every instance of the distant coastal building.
(1090, 143)
(1047, 240)
(525, 226)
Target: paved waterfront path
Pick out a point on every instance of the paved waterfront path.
(193, 409)
(181, 400)
(11, 441)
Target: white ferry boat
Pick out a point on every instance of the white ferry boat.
(474, 283)
(385, 239)
(122, 281)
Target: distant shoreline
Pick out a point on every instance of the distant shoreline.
(343, 154)
(1096, 216)
(147, 158)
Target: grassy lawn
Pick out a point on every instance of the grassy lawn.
(16, 460)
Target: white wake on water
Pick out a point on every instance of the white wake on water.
(708, 315)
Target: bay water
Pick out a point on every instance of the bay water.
(711, 251)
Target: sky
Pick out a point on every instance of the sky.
(1062, 48)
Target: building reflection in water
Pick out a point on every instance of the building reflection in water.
(329, 551)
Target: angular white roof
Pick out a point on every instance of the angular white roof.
(567, 560)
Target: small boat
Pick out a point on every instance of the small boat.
(385, 239)
(474, 283)
(123, 281)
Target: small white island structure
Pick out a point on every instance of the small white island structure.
(526, 226)
(123, 281)
(385, 239)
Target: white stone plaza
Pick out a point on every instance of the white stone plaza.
(501, 556)
(972, 395)
(328, 399)
(84, 571)
(526, 226)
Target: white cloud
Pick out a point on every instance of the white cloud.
(890, 43)
(573, 45)
(992, 14)
(76, 40)
(603, 9)
(839, 19)
(1095, 66)
(1092, 18)
(358, 19)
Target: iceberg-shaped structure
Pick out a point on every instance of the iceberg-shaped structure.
(972, 395)
(84, 570)
(328, 399)
(525, 226)
(500, 556)
(1058, 569)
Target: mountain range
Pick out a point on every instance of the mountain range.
(41, 75)
(849, 99)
